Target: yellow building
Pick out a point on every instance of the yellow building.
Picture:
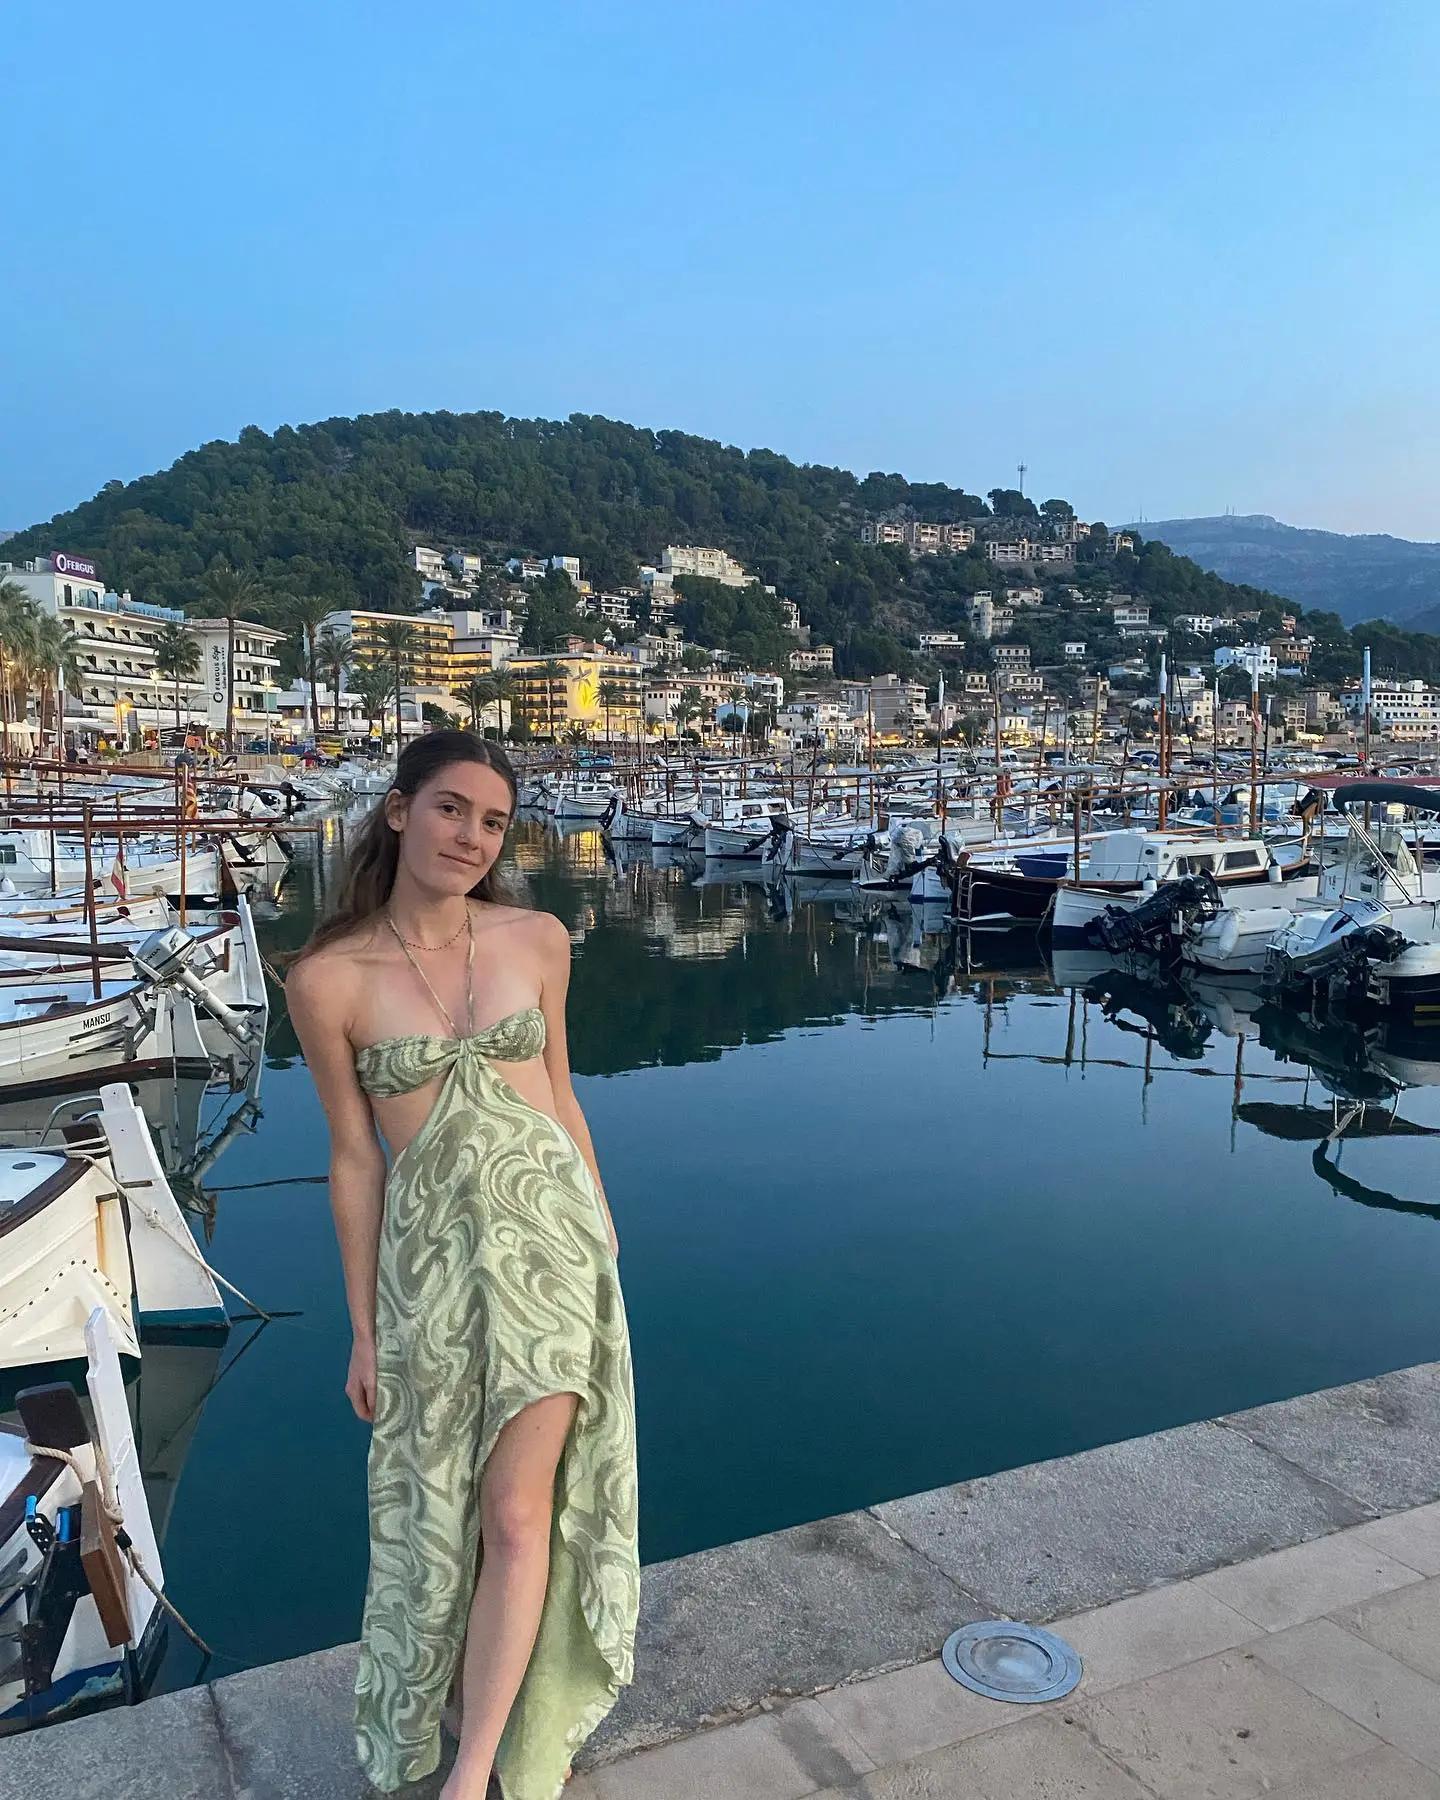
(427, 666)
(555, 692)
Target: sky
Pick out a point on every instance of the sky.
(1175, 256)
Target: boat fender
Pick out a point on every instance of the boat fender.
(1274, 874)
(1228, 935)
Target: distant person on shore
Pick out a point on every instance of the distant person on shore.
(491, 1352)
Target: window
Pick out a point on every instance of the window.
(1240, 859)
(8, 854)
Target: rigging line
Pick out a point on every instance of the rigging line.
(245, 1187)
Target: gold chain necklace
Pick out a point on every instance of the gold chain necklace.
(469, 977)
(415, 944)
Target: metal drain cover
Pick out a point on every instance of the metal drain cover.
(1005, 1660)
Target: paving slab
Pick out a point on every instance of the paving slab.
(289, 1731)
(1410, 1537)
(1228, 1726)
(1380, 1774)
(1404, 1624)
(1307, 1581)
(781, 1614)
(1041, 1759)
(909, 1712)
(1150, 1633)
(1379, 1692)
(1375, 1440)
(779, 1755)
(1084, 1530)
(169, 1746)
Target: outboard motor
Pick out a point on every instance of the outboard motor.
(1157, 924)
(165, 958)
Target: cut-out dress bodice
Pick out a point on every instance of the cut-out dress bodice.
(398, 1065)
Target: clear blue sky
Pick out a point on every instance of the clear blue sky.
(1176, 254)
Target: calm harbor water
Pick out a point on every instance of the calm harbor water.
(895, 1209)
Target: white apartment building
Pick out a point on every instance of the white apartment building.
(809, 719)
(1024, 596)
(527, 568)
(566, 565)
(1197, 624)
(615, 609)
(699, 559)
(429, 564)
(1121, 540)
(1255, 659)
(119, 691)
(1407, 711)
(940, 640)
(465, 565)
(1053, 553)
(1005, 552)
(1074, 649)
(1012, 656)
(980, 610)
(790, 616)
(257, 692)
(1126, 611)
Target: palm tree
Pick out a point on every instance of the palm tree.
(685, 709)
(611, 693)
(374, 685)
(400, 642)
(552, 671)
(502, 691)
(474, 695)
(57, 665)
(177, 656)
(19, 649)
(334, 654)
(307, 613)
(228, 590)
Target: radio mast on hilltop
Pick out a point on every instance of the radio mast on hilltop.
(1020, 470)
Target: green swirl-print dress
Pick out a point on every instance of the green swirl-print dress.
(495, 1287)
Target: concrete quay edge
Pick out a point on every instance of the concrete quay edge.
(747, 1627)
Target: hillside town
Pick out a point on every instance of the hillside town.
(1039, 659)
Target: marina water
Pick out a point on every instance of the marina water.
(895, 1209)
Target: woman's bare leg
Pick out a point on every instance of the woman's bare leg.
(517, 1497)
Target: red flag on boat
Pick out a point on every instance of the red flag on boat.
(117, 871)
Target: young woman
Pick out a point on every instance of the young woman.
(491, 1352)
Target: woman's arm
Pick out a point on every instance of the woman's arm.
(319, 1006)
(554, 942)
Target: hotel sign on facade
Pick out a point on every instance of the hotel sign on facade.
(65, 564)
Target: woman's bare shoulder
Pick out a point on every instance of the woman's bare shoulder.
(335, 970)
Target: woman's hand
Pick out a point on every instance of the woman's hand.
(360, 1381)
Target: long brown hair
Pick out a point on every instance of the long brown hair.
(374, 854)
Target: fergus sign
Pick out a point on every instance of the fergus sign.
(73, 565)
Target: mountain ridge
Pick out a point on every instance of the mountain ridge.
(1360, 576)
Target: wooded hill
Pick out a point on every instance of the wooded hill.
(334, 509)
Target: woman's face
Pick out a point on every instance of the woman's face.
(452, 828)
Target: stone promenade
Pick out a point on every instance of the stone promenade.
(1256, 1600)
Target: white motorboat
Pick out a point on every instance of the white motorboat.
(33, 861)
(165, 1002)
(1124, 869)
(583, 800)
(95, 1224)
(1375, 935)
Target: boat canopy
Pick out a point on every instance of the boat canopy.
(1387, 793)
